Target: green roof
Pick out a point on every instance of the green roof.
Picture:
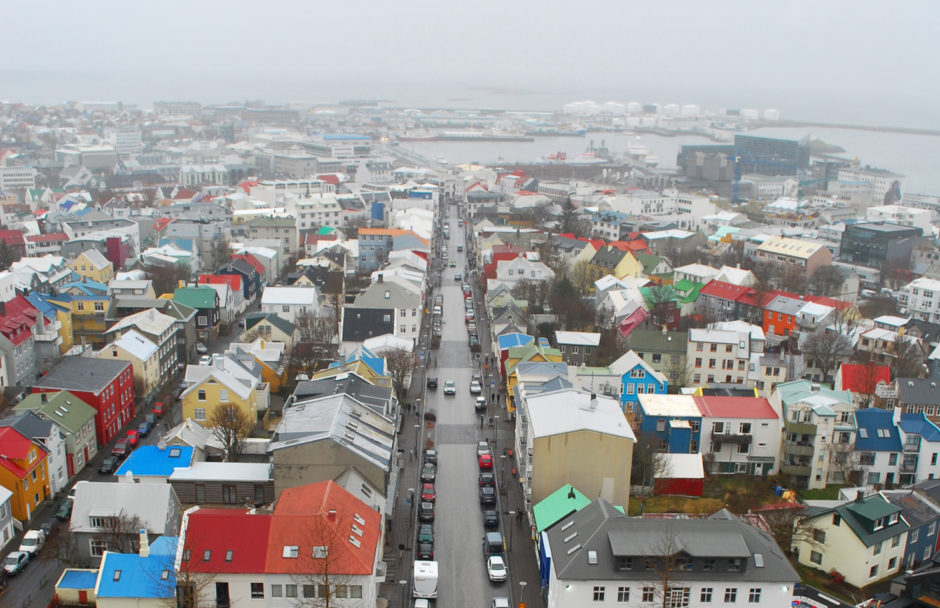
(326, 230)
(556, 506)
(648, 260)
(860, 515)
(655, 341)
(196, 297)
(61, 407)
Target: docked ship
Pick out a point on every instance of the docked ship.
(464, 136)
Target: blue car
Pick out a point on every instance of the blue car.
(143, 428)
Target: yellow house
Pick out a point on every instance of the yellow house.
(144, 357)
(532, 352)
(86, 304)
(271, 356)
(24, 471)
(270, 327)
(92, 265)
(629, 266)
(222, 382)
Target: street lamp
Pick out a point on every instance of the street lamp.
(512, 515)
(522, 585)
(404, 587)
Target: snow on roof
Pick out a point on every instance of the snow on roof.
(669, 405)
(289, 295)
(136, 344)
(682, 466)
(577, 338)
(569, 410)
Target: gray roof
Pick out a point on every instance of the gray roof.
(786, 305)
(374, 397)
(155, 503)
(915, 509)
(82, 374)
(655, 341)
(918, 392)
(398, 297)
(29, 424)
(604, 530)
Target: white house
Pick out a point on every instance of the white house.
(921, 299)
(290, 302)
(7, 531)
(521, 269)
(739, 434)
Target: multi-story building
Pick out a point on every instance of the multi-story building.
(159, 328)
(91, 265)
(318, 211)
(921, 447)
(769, 156)
(601, 556)
(17, 178)
(291, 303)
(739, 435)
(901, 215)
(105, 385)
(283, 229)
(819, 428)
(921, 299)
(105, 228)
(674, 421)
(795, 254)
(144, 357)
(636, 377)
(45, 433)
(872, 183)
(405, 302)
(780, 316)
(278, 191)
(578, 347)
(226, 380)
(24, 470)
(878, 452)
(663, 351)
(720, 355)
(875, 244)
(75, 420)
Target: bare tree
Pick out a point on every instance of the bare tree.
(826, 281)
(788, 525)
(847, 462)
(661, 302)
(909, 362)
(675, 371)
(220, 253)
(401, 363)
(166, 278)
(827, 349)
(649, 463)
(580, 275)
(326, 585)
(230, 425)
(665, 561)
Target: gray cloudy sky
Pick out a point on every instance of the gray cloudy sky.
(829, 58)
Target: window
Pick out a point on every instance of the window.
(97, 547)
(277, 591)
(201, 395)
(708, 565)
(649, 594)
(731, 595)
(630, 389)
(927, 552)
(599, 594)
(290, 590)
(819, 536)
(223, 395)
(623, 594)
(718, 428)
(753, 596)
(874, 478)
(836, 519)
(698, 362)
(895, 541)
(892, 457)
(873, 572)
(207, 555)
(815, 557)
(355, 592)
(932, 529)
(915, 534)
(624, 563)
(660, 425)
(309, 591)
(734, 564)
(257, 591)
(706, 596)
(892, 563)
(199, 413)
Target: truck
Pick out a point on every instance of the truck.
(425, 580)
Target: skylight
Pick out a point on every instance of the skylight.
(759, 560)
(863, 433)
(355, 541)
(592, 558)
(117, 575)
(228, 555)
(175, 452)
(321, 552)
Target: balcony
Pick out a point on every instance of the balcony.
(800, 470)
(798, 448)
(799, 428)
(741, 439)
(909, 466)
(912, 448)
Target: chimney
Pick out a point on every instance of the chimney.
(43, 398)
(593, 404)
(144, 543)
(331, 515)
(379, 278)
(859, 495)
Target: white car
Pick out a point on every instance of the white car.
(496, 568)
(14, 562)
(32, 542)
(205, 360)
(450, 388)
(499, 602)
(475, 388)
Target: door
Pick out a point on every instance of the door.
(221, 595)
(259, 494)
(229, 495)
(200, 493)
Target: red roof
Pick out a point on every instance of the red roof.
(52, 237)
(12, 237)
(184, 193)
(861, 379)
(258, 266)
(214, 530)
(161, 223)
(247, 185)
(330, 178)
(735, 407)
(837, 304)
(15, 446)
(234, 281)
(726, 291)
(18, 320)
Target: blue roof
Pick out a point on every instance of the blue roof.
(514, 339)
(877, 431)
(47, 308)
(154, 461)
(184, 244)
(375, 363)
(89, 288)
(917, 424)
(79, 579)
(140, 577)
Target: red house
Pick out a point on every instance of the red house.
(684, 475)
(104, 384)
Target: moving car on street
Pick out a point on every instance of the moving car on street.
(450, 388)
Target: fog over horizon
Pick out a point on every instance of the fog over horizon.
(863, 62)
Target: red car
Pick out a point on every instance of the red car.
(486, 462)
(133, 437)
(427, 492)
(157, 408)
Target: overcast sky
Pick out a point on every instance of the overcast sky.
(876, 59)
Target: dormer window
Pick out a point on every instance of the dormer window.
(892, 519)
(624, 563)
(879, 524)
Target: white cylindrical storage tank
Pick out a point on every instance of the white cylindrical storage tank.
(771, 114)
(671, 109)
(612, 107)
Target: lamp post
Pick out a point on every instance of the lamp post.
(522, 585)
(404, 587)
(512, 515)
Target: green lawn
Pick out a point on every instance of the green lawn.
(827, 493)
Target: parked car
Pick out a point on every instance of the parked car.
(483, 448)
(428, 493)
(469, 316)
(143, 429)
(121, 448)
(430, 456)
(486, 462)
(425, 551)
(432, 382)
(151, 419)
(64, 510)
(490, 519)
(479, 404)
(476, 378)
(157, 408)
(475, 387)
(458, 276)
(487, 495)
(496, 568)
(14, 562)
(488, 479)
(109, 464)
(429, 472)
(133, 437)
(450, 388)
(426, 511)
(426, 533)
(32, 542)
(205, 360)
(499, 602)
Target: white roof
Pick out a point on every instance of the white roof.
(95, 257)
(682, 466)
(816, 310)
(151, 321)
(224, 370)
(891, 320)
(379, 345)
(669, 405)
(569, 410)
(123, 283)
(756, 332)
(148, 501)
(667, 234)
(136, 344)
(700, 270)
(289, 295)
(578, 338)
(607, 281)
(224, 471)
(699, 334)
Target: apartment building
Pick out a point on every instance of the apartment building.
(921, 299)
(796, 254)
(718, 355)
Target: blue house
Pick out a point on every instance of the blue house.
(152, 463)
(923, 516)
(130, 577)
(673, 420)
(636, 378)
(878, 445)
(921, 448)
